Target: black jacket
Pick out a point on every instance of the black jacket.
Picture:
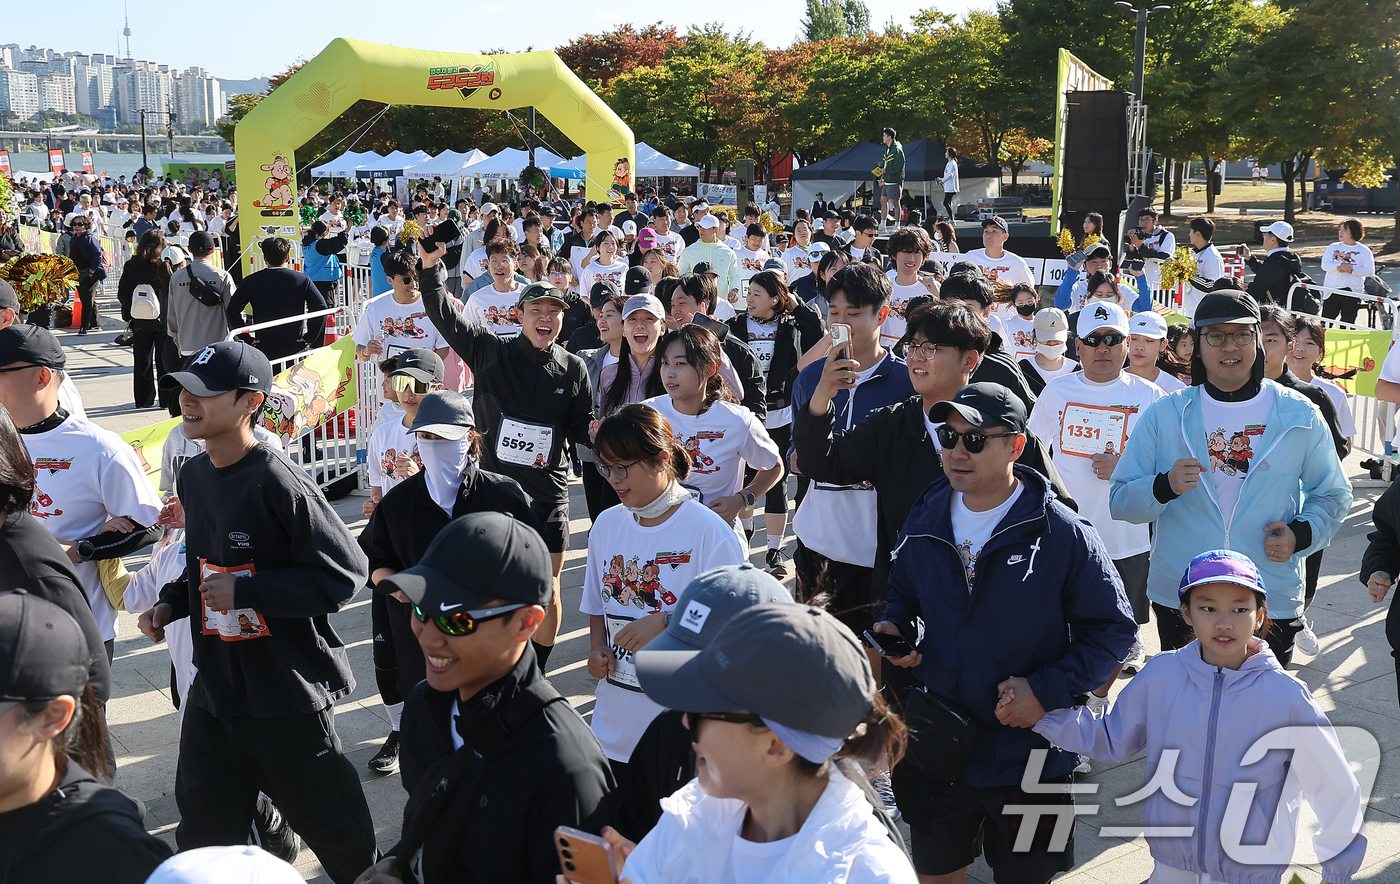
(891, 449)
(81, 831)
(407, 519)
(1033, 377)
(1273, 276)
(797, 332)
(584, 338)
(514, 379)
(278, 293)
(998, 366)
(498, 822)
(745, 363)
(1318, 397)
(32, 560)
(137, 272)
(1383, 551)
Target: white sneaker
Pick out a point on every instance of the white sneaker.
(1306, 640)
(881, 784)
(1097, 705)
(1083, 767)
(1137, 658)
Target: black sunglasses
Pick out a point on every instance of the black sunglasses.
(693, 718)
(461, 623)
(973, 441)
(1112, 339)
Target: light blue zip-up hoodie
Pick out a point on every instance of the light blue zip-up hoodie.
(1295, 475)
(1202, 723)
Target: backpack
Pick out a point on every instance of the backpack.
(144, 304)
(203, 291)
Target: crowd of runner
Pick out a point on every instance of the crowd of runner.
(991, 501)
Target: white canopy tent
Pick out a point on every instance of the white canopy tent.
(449, 163)
(394, 165)
(651, 163)
(510, 162)
(345, 165)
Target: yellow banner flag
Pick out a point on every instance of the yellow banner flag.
(1354, 359)
(148, 443)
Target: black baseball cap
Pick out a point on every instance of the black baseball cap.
(8, 299)
(541, 291)
(475, 560)
(603, 290)
(201, 241)
(43, 654)
(967, 267)
(984, 405)
(703, 268)
(444, 413)
(792, 664)
(420, 364)
(32, 345)
(224, 366)
(638, 281)
(712, 600)
(830, 215)
(1229, 305)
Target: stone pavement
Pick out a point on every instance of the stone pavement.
(1353, 678)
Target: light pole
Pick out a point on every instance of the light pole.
(145, 168)
(1141, 61)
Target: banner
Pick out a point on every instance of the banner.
(5, 164)
(87, 161)
(56, 161)
(728, 194)
(149, 443)
(1354, 358)
(1072, 75)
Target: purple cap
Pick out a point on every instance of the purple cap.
(1220, 566)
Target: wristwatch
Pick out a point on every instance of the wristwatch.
(748, 496)
(85, 550)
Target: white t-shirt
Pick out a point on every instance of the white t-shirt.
(616, 273)
(495, 310)
(335, 221)
(972, 530)
(1231, 431)
(720, 442)
(1169, 382)
(1357, 257)
(634, 571)
(1018, 334)
(1010, 268)
(474, 264)
(1079, 418)
(70, 398)
(385, 445)
(894, 326)
(1346, 422)
(799, 262)
(672, 244)
(400, 326)
(1390, 371)
(84, 475)
(752, 862)
(1067, 367)
(1079, 294)
(750, 262)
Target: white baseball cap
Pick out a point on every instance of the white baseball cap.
(1281, 229)
(1051, 324)
(629, 228)
(709, 222)
(240, 864)
(175, 255)
(1099, 316)
(488, 208)
(1148, 324)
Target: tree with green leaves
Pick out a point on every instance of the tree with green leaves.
(830, 19)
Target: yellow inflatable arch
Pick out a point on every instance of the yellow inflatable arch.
(347, 70)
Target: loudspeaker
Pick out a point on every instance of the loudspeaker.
(1095, 161)
(743, 185)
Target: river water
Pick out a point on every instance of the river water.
(114, 164)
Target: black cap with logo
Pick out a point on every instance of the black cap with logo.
(475, 560)
(420, 364)
(32, 345)
(984, 405)
(224, 366)
(638, 281)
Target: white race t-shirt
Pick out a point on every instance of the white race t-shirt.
(762, 339)
(1346, 422)
(496, 311)
(634, 571)
(1232, 429)
(616, 273)
(474, 264)
(753, 862)
(972, 530)
(672, 244)
(1357, 257)
(799, 263)
(720, 442)
(1009, 268)
(1079, 418)
(1169, 382)
(1018, 334)
(894, 326)
(385, 445)
(750, 262)
(84, 475)
(400, 326)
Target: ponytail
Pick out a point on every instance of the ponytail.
(879, 740)
(84, 739)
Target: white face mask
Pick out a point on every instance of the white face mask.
(1051, 349)
(444, 462)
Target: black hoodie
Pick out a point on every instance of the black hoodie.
(1273, 276)
(81, 831)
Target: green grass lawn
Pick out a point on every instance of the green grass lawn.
(1237, 195)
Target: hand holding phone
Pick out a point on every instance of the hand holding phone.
(840, 342)
(585, 858)
(888, 645)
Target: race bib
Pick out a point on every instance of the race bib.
(393, 350)
(625, 675)
(763, 349)
(1087, 430)
(525, 444)
(237, 625)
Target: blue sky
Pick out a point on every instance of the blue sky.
(260, 38)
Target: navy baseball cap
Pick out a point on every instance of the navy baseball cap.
(224, 366)
(43, 654)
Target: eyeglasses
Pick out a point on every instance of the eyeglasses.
(973, 441)
(402, 383)
(925, 350)
(618, 470)
(460, 623)
(1112, 339)
(1242, 337)
(693, 718)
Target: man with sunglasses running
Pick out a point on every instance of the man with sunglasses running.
(1087, 418)
(493, 757)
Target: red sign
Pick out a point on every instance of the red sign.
(56, 162)
(5, 164)
(87, 161)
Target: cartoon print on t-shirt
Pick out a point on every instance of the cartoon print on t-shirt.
(631, 582)
(1216, 446)
(390, 459)
(1023, 340)
(969, 560)
(404, 326)
(1230, 452)
(503, 315)
(701, 462)
(1240, 453)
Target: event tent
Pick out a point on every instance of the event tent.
(345, 165)
(394, 165)
(840, 176)
(651, 163)
(510, 162)
(449, 164)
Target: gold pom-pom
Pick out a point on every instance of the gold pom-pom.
(1180, 267)
(410, 232)
(39, 280)
(1065, 243)
(770, 224)
(1091, 239)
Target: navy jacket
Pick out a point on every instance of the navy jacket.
(1047, 605)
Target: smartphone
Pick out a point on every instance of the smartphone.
(840, 341)
(1133, 265)
(1239, 250)
(888, 645)
(585, 858)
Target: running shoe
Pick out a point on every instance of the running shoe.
(386, 760)
(777, 563)
(1306, 640)
(1137, 658)
(881, 784)
(272, 831)
(1083, 767)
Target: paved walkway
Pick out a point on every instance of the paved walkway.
(1353, 678)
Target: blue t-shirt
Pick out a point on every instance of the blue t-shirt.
(378, 279)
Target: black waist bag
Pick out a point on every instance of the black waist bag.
(204, 292)
(941, 735)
